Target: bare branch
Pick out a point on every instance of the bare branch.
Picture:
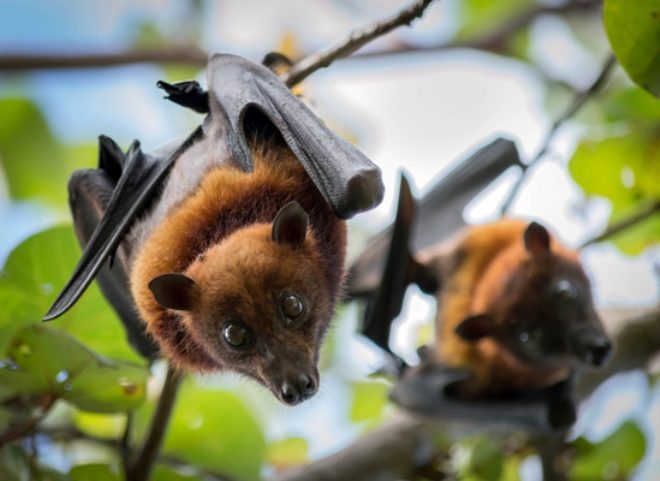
(354, 41)
(624, 224)
(578, 101)
(141, 469)
(187, 56)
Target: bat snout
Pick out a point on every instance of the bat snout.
(594, 350)
(297, 388)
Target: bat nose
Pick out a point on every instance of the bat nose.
(598, 351)
(296, 389)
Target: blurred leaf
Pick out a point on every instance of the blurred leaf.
(14, 465)
(100, 425)
(478, 459)
(148, 35)
(633, 29)
(614, 458)
(61, 366)
(486, 459)
(369, 400)
(632, 105)
(5, 418)
(32, 278)
(35, 163)
(212, 429)
(626, 171)
(287, 453)
(30, 155)
(480, 17)
(167, 473)
(96, 472)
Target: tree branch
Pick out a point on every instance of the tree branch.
(578, 101)
(354, 41)
(172, 56)
(624, 224)
(397, 448)
(143, 465)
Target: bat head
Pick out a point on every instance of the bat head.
(258, 303)
(543, 311)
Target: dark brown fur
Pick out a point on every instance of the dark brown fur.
(515, 310)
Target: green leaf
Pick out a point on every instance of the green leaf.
(287, 453)
(626, 171)
(14, 465)
(213, 429)
(480, 17)
(369, 401)
(100, 425)
(61, 366)
(633, 29)
(31, 279)
(167, 473)
(96, 472)
(614, 457)
(487, 459)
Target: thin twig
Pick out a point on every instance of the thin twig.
(141, 469)
(354, 41)
(495, 41)
(22, 430)
(578, 101)
(624, 224)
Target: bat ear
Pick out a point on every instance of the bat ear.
(173, 291)
(475, 327)
(537, 239)
(290, 225)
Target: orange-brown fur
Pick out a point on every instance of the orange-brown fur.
(474, 275)
(228, 219)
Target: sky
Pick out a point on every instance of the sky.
(419, 113)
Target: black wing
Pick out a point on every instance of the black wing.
(387, 266)
(346, 178)
(139, 181)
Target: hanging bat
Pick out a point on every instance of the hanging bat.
(383, 271)
(515, 318)
(228, 248)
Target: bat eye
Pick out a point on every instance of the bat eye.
(531, 339)
(566, 291)
(292, 306)
(236, 335)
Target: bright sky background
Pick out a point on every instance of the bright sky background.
(418, 112)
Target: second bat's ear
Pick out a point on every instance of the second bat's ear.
(476, 327)
(290, 225)
(537, 239)
(173, 291)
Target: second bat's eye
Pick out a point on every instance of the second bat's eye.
(292, 306)
(236, 335)
(565, 291)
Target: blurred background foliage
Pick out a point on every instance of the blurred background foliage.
(66, 387)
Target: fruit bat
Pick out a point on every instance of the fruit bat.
(225, 250)
(515, 314)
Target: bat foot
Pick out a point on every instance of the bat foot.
(434, 390)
